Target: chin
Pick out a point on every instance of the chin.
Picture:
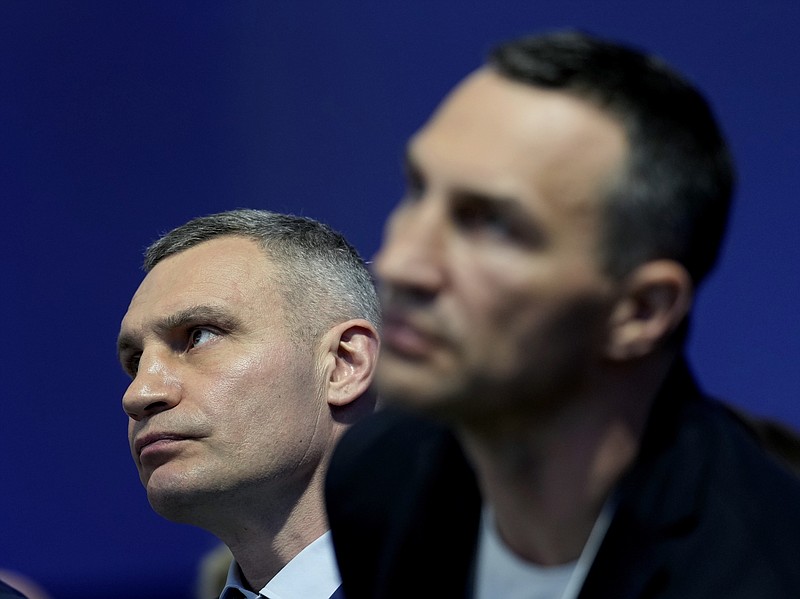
(175, 505)
(451, 405)
(174, 495)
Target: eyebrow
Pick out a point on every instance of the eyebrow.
(504, 202)
(193, 315)
(510, 206)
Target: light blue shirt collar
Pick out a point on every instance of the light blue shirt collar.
(311, 574)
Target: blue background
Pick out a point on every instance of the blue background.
(120, 120)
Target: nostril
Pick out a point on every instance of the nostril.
(407, 295)
(155, 407)
(419, 295)
(150, 409)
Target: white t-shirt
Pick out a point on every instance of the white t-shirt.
(501, 573)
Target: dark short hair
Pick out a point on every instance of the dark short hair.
(674, 194)
(322, 277)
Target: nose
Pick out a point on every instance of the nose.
(411, 256)
(154, 389)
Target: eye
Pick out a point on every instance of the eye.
(131, 364)
(200, 336)
(483, 218)
(496, 219)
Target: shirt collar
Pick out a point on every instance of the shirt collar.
(294, 580)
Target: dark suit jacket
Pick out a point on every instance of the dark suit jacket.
(704, 512)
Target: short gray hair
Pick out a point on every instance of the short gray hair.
(323, 278)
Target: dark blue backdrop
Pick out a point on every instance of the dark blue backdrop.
(123, 119)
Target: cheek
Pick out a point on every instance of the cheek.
(511, 324)
(269, 411)
(260, 388)
(495, 324)
(493, 303)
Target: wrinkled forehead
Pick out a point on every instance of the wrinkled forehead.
(226, 271)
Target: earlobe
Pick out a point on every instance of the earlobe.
(353, 351)
(656, 299)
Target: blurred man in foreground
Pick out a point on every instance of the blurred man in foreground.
(563, 205)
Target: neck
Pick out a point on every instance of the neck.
(547, 477)
(263, 554)
(265, 539)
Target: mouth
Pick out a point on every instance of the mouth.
(402, 337)
(154, 440)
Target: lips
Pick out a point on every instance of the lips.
(144, 441)
(401, 336)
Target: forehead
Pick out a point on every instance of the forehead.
(228, 272)
(518, 139)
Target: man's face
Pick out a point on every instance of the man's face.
(489, 268)
(223, 402)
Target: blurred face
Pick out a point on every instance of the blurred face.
(223, 401)
(489, 270)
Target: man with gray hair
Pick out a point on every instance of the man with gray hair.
(251, 345)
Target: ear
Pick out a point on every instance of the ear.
(352, 354)
(656, 298)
